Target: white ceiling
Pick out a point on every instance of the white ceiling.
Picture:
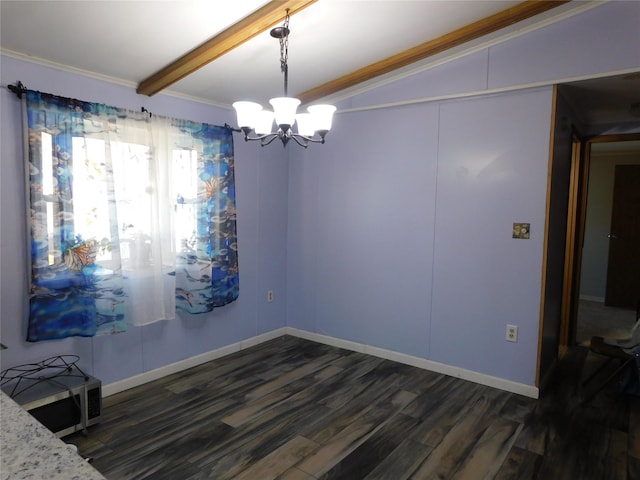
(127, 41)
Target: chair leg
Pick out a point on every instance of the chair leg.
(607, 380)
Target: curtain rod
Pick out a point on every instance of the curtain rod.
(19, 89)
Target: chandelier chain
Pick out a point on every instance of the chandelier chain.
(284, 44)
(284, 53)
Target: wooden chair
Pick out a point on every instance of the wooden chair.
(625, 352)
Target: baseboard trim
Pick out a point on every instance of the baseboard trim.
(457, 372)
(155, 374)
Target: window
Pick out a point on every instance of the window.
(132, 218)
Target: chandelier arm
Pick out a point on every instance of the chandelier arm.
(271, 137)
(306, 139)
(304, 143)
(247, 138)
(268, 138)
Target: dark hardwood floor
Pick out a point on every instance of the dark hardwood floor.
(298, 410)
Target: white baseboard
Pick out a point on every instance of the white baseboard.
(457, 372)
(151, 375)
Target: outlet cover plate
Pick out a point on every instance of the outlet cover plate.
(512, 333)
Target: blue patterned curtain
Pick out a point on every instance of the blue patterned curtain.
(131, 217)
(207, 263)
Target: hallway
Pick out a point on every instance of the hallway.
(595, 319)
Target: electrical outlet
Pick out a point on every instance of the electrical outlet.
(270, 296)
(512, 333)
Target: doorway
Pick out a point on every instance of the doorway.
(606, 292)
(593, 111)
(623, 271)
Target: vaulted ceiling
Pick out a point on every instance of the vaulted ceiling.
(220, 51)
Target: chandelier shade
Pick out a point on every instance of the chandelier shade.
(305, 124)
(311, 127)
(284, 109)
(322, 116)
(247, 113)
(264, 122)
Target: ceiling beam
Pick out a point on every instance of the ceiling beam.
(247, 28)
(458, 37)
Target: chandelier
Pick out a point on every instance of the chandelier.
(311, 126)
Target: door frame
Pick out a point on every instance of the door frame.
(578, 180)
(576, 216)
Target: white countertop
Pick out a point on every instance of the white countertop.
(28, 450)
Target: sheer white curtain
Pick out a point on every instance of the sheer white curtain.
(143, 170)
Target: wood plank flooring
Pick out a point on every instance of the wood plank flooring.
(292, 409)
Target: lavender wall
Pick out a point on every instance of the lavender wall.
(401, 238)
(361, 230)
(262, 178)
(400, 227)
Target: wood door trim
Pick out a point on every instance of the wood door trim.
(620, 137)
(234, 36)
(545, 245)
(571, 266)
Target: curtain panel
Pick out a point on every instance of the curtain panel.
(131, 217)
